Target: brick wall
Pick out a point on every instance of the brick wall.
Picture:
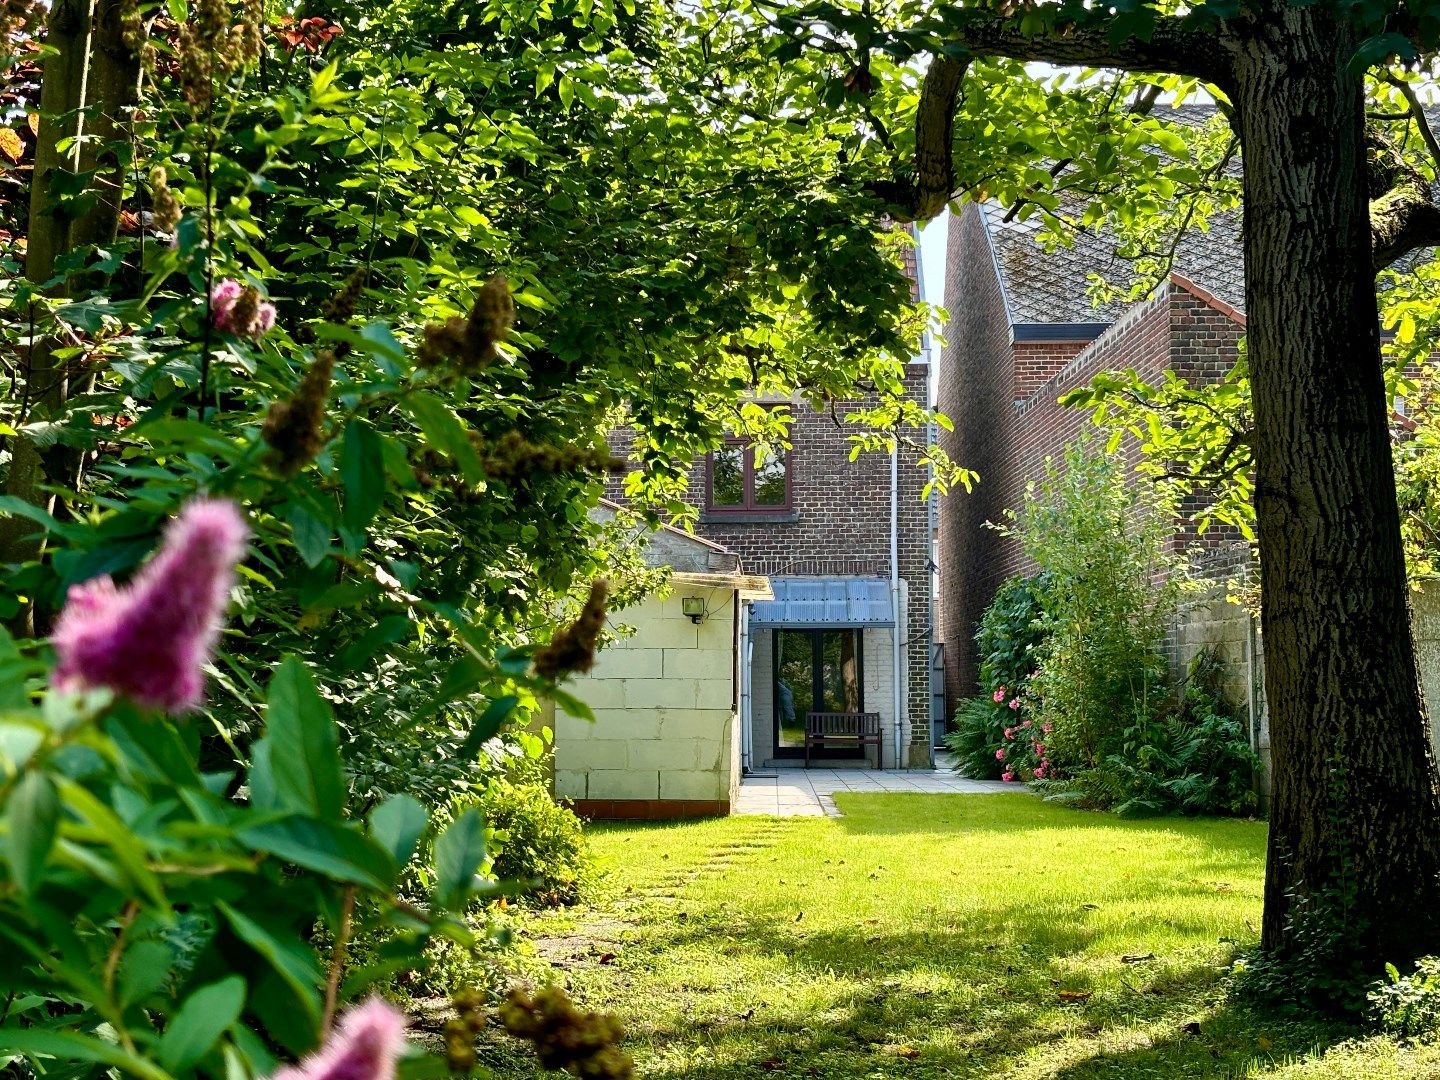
(1037, 362)
(1181, 327)
(839, 525)
(975, 389)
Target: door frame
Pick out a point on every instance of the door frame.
(816, 684)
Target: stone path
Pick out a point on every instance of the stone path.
(807, 792)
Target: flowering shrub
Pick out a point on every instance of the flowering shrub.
(158, 925)
(1010, 635)
(360, 303)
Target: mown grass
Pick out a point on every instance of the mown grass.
(940, 936)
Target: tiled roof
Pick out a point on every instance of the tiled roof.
(1052, 286)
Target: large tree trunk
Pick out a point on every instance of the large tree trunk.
(1355, 819)
(86, 82)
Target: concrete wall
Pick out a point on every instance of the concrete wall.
(1213, 622)
(664, 741)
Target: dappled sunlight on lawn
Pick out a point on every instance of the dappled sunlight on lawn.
(929, 935)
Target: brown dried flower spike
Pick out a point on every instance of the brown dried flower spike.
(295, 429)
(461, 1029)
(584, 1044)
(471, 342)
(573, 647)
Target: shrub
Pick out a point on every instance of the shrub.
(1408, 1006)
(1012, 632)
(979, 732)
(537, 841)
(1111, 583)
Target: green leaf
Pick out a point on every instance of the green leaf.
(310, 534)
(446, 432)
(326, 847)
(290, 957)
(304, 744)
(68, 1046)
(459, 851)
(32, 818)
(362, 471)
(200, 1021)
(397, 825)
(488, 725)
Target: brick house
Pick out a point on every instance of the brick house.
(1022, 332)
(848, 550)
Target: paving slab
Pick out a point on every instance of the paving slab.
(808, 792)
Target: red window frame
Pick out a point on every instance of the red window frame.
(747, 472)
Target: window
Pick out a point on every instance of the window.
(815, 671)
(748, 479)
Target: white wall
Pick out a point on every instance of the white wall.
(664, 701)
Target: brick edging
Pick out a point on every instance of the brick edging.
(648, 809)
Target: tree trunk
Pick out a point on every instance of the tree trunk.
(1355, 818)
(85, 84)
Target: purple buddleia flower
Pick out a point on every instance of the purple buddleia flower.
(364, 1046)
(150, 638)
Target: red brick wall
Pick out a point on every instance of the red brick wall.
(975, 388)
(1037, 362)
(1008, 447)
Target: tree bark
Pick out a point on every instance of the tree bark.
(85, 85)
(1355, 815)
(1355, 818)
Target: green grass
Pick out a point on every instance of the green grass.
(939, 936)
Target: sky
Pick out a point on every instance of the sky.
(932, 261)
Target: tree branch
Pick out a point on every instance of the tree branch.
(1170, 48)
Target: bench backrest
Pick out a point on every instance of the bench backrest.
(842, 723)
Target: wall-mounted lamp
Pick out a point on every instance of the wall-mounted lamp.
(693, 607)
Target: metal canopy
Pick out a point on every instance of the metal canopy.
(816, 602)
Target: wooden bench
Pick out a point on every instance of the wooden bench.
(846, 729)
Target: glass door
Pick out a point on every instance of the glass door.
(815, 671)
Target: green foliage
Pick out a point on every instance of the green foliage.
(156, 926)
(1408, 1006)
(1012, 633)
(1112, 583)
(1194, 758)
(538, 843)
(979, 732)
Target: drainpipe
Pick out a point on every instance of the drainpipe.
(895, 596)
(746, 653)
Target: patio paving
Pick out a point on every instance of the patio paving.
(787, 792)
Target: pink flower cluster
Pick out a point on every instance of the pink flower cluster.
(238, 309)
(151, 638)
(365, 1046)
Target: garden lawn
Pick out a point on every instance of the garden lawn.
(935, 935)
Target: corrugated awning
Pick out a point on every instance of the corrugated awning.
(811, 602)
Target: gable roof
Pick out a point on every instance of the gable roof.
(1052, 286)
(1043, 286)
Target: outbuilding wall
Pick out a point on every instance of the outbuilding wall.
(664, 743)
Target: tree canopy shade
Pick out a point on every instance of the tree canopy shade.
(1355, 816)
(671, 244)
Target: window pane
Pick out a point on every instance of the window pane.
(794, 685)
(770, 469)
(727, 479)
(840, 670)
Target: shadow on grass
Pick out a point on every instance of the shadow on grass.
(986, 985)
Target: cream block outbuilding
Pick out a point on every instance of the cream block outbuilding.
(665, 742)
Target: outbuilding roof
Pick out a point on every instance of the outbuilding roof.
(819, 602)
